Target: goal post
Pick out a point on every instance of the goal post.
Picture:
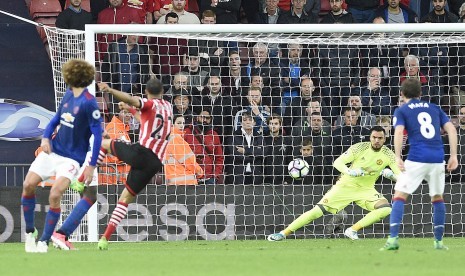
(251, 211)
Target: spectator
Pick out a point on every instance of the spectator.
(250, 8)
(231, 77)
(319, 173)
(314, 106)
(459, 175)
(181, 167)
(168, 51)
(429, 91)
(222, 109)
(312, 126)
(260, 64)
(256, 109)
(196, 75)
(337, 14)
(293, 69)
(270, 14)
(299, 104)
(185, 17)
(144, 8)
(226, 10)
(394, 12)
(162, 7)
(277, 149)
(461, 10)
(350, 133)
(117, 13)
(96, 6)
(313, 7)
(182, 105)
(364, 118)
(385, 122)
(375, 98)
(363, 11)
(297, 14)
(440, 14)
(74, 17)
(246, 151)
(457, 7)
(126, 65)
(206, 144)
(211, 52)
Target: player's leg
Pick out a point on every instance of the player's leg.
(436, 182)
(40, 169)
(332, 202)
(378, 208)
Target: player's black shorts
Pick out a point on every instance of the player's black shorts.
(144, 164)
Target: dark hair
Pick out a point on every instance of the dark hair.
(274, 116)
(172, 15)
(208, 13)
(248, 115)
(78, 73)
(307, 141)
(205, 108)
(154, 87)
(176, 116)
(411, 88)
(377, 129)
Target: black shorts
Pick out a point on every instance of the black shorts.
(144, 164)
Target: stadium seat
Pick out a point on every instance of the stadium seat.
(325, 8)
(193, 7)
(85, 5)
(44, 8)
(48, 21)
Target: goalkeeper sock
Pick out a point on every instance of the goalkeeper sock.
(53, 215)
(116, 217)
(29, 205)
(303, 220)
(439, 218)
(396, 216)
(372, 217)
(74, 219)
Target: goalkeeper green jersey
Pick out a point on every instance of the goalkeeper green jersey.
(362, 156)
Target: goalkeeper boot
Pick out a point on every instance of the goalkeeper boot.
(30, 244)
(276, 237)
(103, 244)
(77, 186)
(42, 247)
(351, 234)
(440, 245)
(59, 241)
(391, 244)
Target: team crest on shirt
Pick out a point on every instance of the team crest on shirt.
(75, 110)
(379, 162)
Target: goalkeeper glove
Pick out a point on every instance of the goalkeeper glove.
(355, 172)
(387, 173)
(77, 186)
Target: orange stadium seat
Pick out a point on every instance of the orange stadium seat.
(44, 8)
(85, 4)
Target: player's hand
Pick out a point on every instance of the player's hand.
(103, 87)
(387, 173)
(45, 145)
(400, 164)
(355, 172)
(88, 174)
(452, 164)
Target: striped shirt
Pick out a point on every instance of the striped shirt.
(155, 125)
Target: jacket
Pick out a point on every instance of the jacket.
(409, 15)
(181, 167)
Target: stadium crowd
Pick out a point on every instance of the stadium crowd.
(248, 109)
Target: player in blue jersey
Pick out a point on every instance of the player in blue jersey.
(425, 161)
(77, 118)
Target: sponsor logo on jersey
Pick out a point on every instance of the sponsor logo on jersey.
(67, 119)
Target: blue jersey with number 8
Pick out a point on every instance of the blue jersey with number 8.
(423, 122)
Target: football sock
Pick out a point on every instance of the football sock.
(101, 157)
(396, 216)
(372, 217)
(29, 205)
(73, 220)
(303, 220)
(116, 217)
(439, 218)
(53, 215)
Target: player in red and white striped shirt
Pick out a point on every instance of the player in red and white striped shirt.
(145, 157)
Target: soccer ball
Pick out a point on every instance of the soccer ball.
(298, 168)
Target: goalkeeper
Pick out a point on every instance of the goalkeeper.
(356, 184)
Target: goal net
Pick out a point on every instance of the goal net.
(255, 98)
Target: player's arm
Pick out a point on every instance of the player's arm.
(130, 109)
(398, 139)
(345, 158)
(48, 132)
(120, 95)
(452, 164)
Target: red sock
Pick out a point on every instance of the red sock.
(101, 157)
(116, 217)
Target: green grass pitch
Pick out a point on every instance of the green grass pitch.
(291, 257)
